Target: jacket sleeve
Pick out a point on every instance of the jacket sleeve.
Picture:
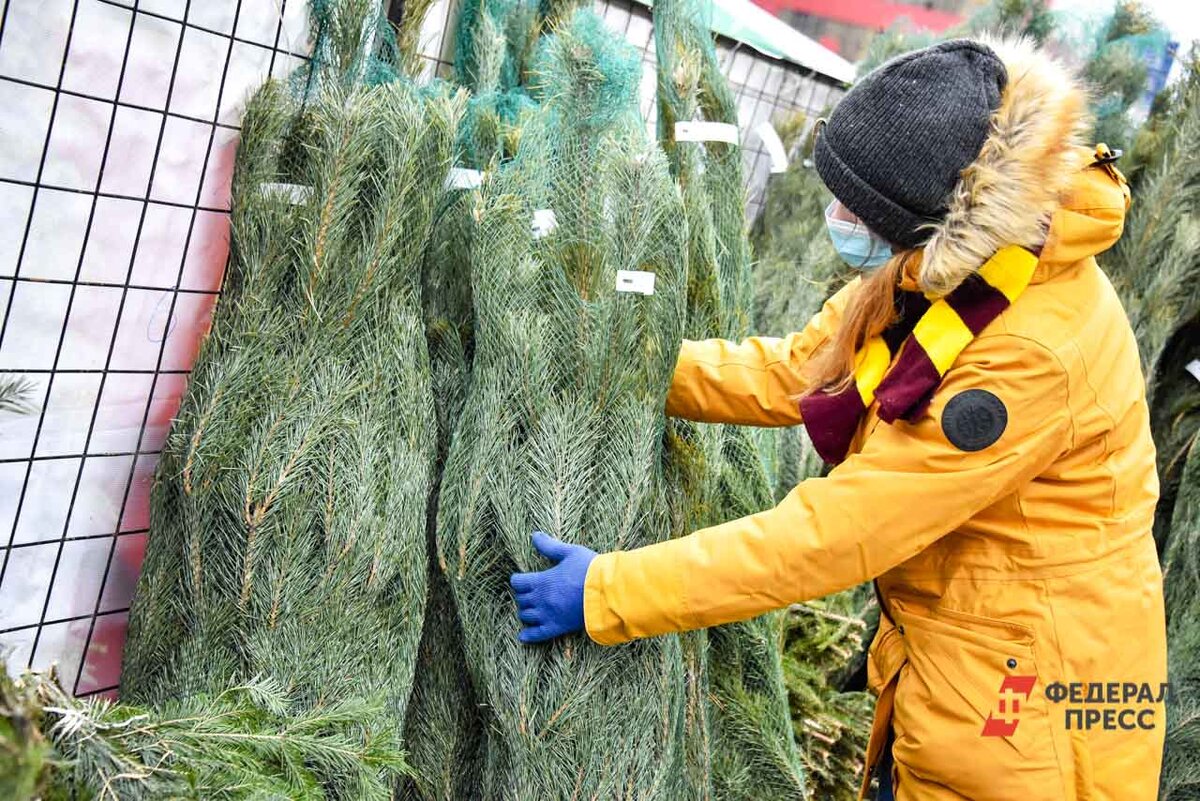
(753, 382)
(905, 489)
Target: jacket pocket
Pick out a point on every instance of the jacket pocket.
(971, 712)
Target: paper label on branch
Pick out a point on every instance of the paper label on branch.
(702, 131)
(461, 178)
(774, 145)
(638, 281)
(293, 193)
(1193, 367)
(544, 222)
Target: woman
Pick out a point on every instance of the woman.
(979, 390)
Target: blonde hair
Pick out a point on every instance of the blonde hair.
(872, 308)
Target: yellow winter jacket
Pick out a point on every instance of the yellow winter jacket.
(1027, 565)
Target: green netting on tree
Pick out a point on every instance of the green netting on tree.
(560, 432)
(797, 269)
(720, 471)
(1181, 763)
(355, 43)
(496, 45)
(288, 513)
(447, 738)
(273, 635)
(1114, 46)
(444, 733)
(289, 508)
(1031, 18)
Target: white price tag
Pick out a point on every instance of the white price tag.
(637, 281)
(544, 222)
(292, 193)
(1193, 367)
(701, 131)
(461, 178)
(774, 145)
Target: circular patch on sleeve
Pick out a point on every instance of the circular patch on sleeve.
(974, 419)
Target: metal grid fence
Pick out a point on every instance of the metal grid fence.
(118, 124)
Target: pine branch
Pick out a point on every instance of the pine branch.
(16, 394)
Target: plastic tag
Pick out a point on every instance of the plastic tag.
(293, 193)
(462, 178)
(1193, 367)
(774, 145)
(638, 281)
(702, 131)
(544, 222)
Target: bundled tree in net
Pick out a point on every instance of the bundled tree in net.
(1031, 18)
(274, 631)
(288, 512)
(495, 48)
(1181, 761)
(743, 740)
(1118, 69)
(796, 270)
(562, 426)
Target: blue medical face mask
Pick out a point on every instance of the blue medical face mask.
(857, 246)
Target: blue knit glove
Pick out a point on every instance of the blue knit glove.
(550, 602)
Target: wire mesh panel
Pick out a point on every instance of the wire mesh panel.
(766, 88)
(118, 120)
(121, 124)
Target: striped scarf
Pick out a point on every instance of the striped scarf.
(929, 336)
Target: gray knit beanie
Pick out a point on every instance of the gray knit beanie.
(894, 146)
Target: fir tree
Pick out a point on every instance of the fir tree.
(246, 742)
(288, 513)
(1181, 762)
(495, 47)
(561, 426)
(795, 271)
(825, 639)
(751, 752)
(1163, 301)
(1030, 18)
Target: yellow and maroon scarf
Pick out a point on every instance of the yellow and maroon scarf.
(928, 336)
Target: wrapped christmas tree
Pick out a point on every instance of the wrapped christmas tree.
(274, 631)
(289, 510)
(1164, 307)
(1163, 303)
(797, 269)
(495, 44)
(741, 740)
(561, 428)
(1181, 762)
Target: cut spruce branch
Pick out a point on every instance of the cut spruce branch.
(246, 742)
(16, 394)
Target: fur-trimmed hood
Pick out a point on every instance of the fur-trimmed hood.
(1030, 161)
